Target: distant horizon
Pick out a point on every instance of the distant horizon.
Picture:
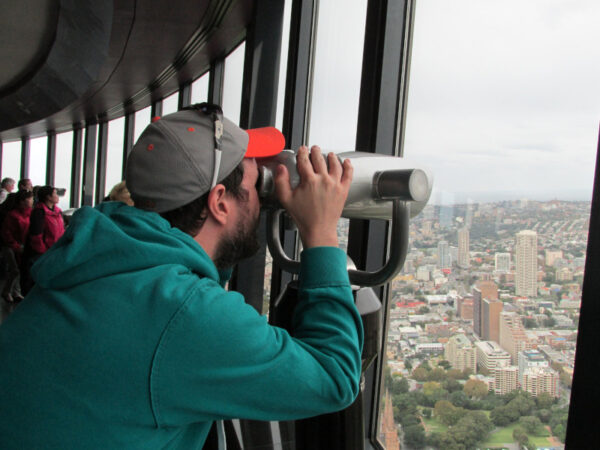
(445, 198)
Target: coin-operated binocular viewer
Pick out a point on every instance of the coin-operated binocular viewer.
(383, 187)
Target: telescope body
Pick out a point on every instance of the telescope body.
(377, 180)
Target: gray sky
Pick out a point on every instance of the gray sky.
(504, 95)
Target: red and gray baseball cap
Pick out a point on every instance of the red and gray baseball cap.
(174, 160)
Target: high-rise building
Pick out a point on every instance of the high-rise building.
(426, 228)
(526, 263)
(486, 310)
(469, 215)
(551, 256)
(477, 307)
(512, 335)
(464, 258)
(541, 379)
(505, 379)
(460, 353)
(564, 274)
(502, 262)
(464, 307)
(444, 261)
(528, 359)
(490, 319)
(490, 355)
(488, 289)
(423, 273)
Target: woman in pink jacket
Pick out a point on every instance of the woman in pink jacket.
(47, 224)
(45, 228)
(14, 234)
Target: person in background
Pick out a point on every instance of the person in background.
(14, 233)
(9, 202)
(46, 227)
(25, 185)
(120, 193)
(8, 184)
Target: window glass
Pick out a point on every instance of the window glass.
(169, 104)
(337, 71)
(38, 151)
(285, 42)
(142, 119)
(11, 160)
(503, 108)
(62, 173)
(232, 83)
(114, 153)
(200, 89)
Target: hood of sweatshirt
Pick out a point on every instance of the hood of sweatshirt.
(114, 238)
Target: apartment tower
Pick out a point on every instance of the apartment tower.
(526, 263)
(512, 335)
(460, 353)
(444, 261)
(464, 259)
(502, 262)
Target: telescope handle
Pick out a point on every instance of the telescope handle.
(398, 248)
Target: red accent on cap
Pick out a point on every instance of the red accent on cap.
(155, 118)
(267, 141)
(150, 147)
(191, 129)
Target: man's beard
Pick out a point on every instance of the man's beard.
(242, 244)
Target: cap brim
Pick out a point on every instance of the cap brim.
(263, 142)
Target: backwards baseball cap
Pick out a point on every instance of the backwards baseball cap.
(183, 155)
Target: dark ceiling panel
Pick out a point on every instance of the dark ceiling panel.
(28, 29)
(72, 65)
(154, 47)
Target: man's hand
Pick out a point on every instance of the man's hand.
(317, 202)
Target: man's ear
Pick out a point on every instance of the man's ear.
(218, 204)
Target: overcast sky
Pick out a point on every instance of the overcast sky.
(504, 96)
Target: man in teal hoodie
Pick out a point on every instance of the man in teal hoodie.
(129, 339)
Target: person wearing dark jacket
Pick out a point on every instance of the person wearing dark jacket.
(47, 224)
(14, 233)
(45, 228)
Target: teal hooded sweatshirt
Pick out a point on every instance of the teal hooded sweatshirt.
(129, 341)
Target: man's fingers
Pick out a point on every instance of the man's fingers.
(335, 167)
(282, 185)
(317, 159)
(348, 173)
(303, 163)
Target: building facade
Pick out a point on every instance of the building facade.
(541, 379)
(444, 261)
(550, 256)
(464, 307)
(529, 359)
(490, 319)
(477, 307)
(464, 257)
(460, 353)
(505, 379)
(526, 263)
(491, 356)
(512, 335)
(502, 262)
